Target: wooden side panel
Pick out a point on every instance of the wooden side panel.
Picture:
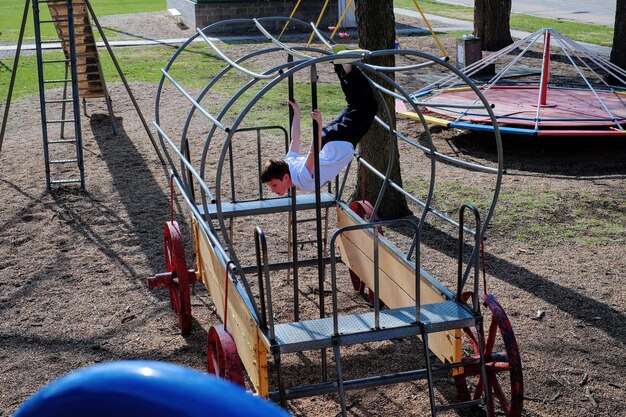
(397, 281)
(244, 329)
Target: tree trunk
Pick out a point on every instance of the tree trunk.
(376, 28)
(618, 53)
(491, 23)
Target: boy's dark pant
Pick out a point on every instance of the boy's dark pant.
(356, 118)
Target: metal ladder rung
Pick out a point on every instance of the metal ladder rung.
(54, 21)
(63, 161)
(311, 219)
(306, 242)
(54, 142)
(53, 61)
(61, 121)
(65, 181)
(67, 80)
(67, 100)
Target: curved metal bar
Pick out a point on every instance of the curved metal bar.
(233, 63)
(183, 159)
(431, 145)
(169, 64)
(462, 276)
(492, 117)
(205, 90)
(195, 103)
(320, 36)
(392, 157)
(403, 68)
(278, 43)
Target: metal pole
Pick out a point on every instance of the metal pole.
(121, 74)
(294, 217)
(75, 100)
(16, 61)
(318, 209)
(42, 98)
(545, 73)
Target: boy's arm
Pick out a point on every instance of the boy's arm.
(316, 115)
(295, 128)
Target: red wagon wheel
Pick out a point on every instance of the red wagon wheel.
(176, 265)
(503, 362)
(222, 357)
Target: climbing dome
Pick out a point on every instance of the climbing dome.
(568, 90)
(220, 113)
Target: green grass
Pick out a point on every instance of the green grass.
(11, 12)
(141, 64)
(542, 216)
(582, 32)
(550, 217)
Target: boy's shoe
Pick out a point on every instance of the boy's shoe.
(341, 49)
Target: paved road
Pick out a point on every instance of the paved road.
(601, 12)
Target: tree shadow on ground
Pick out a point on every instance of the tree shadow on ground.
(139, 191)
(554, 156)
(574, 303)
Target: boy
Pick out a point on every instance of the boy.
(338, 138)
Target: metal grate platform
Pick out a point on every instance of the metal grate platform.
(359, 328)
(267, 206)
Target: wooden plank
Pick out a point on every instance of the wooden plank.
(244, 329)
(397, 281)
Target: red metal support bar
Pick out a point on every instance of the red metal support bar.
(545, 72)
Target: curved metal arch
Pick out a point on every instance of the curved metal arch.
(431, 145)
(169, 64)
(486, 104)
(215, 79)
(293, 68)
(184, 46)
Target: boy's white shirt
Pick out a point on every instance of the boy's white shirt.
(333, 157)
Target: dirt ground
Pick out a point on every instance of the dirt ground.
(73, 265)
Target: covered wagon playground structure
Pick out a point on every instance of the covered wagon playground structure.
(308, 300)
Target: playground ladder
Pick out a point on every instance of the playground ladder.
(83, 73)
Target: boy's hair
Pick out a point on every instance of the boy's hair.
(274, 169)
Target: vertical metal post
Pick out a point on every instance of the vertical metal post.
(42, 93)
(545, 70)
(75, 100)
(376, 281)
(294, 217)
(318, 205)
(318, 209)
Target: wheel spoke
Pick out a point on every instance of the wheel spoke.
(472, 339)
(496, 389)
(491, 337)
